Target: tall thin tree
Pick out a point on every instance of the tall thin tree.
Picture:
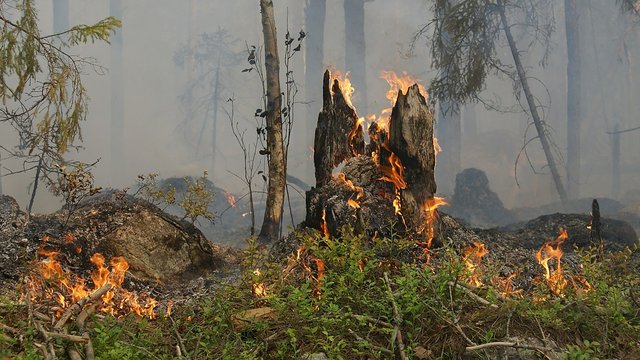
(270, 229)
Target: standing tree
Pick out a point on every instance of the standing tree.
(206, 58)
(43, 99)
(270, 229)
(473, 27)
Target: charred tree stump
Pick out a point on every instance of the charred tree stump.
(385, 184)
(411, 139)
(338, 136)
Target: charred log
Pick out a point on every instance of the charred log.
(338, 135)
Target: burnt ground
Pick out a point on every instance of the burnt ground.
(92, 226)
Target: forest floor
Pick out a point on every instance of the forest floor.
(353, 297)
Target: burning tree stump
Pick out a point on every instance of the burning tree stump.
(339, 135)
(385, 185)
(411, 139)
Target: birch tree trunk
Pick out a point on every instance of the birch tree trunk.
(277, 178)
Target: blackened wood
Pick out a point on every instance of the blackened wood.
(411, 139)
(338, 136)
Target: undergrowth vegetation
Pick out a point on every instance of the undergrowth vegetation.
(349, 298)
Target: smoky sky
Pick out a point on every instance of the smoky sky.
(158, 136)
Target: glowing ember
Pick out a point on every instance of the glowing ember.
(553, 250)
(472, 257)
(230, 199)
(52, 282)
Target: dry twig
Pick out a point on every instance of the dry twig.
(473, 295)
(77, 307)
(397, 319)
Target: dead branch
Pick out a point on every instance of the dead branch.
(369, 345)
(397, 318)
(180, 347)
(77, 307)
(68, 337)
(372, 320)
(507, 344)
(473, 295)
(47, 340)
(10, 329)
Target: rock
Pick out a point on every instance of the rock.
(245, 319)
(475, 203)
(314, 356)
(158, 246)
(10, 213)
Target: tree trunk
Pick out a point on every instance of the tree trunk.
(470, 121)
(275, 146)
(214, 126)
(315, 12)
(571, 15)
(117, 92)
(615, 162)
(542, 134)
(355, 54)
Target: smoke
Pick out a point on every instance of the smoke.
(154, 30)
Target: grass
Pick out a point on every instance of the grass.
(333, 299)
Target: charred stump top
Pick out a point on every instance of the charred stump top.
(338, 135)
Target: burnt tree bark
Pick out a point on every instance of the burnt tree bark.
(270, 229)
(411, 139)
(338, 135)
(384, 185)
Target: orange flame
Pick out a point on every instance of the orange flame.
(429, 210)
(258, 289)
(472, 257)
(553, 250)
(323, 225)
(504, 285)
(396, 83)
(230, 199)
(345, 85)
(58, 286)
(359, 190)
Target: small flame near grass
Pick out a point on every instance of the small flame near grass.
(49, 281)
